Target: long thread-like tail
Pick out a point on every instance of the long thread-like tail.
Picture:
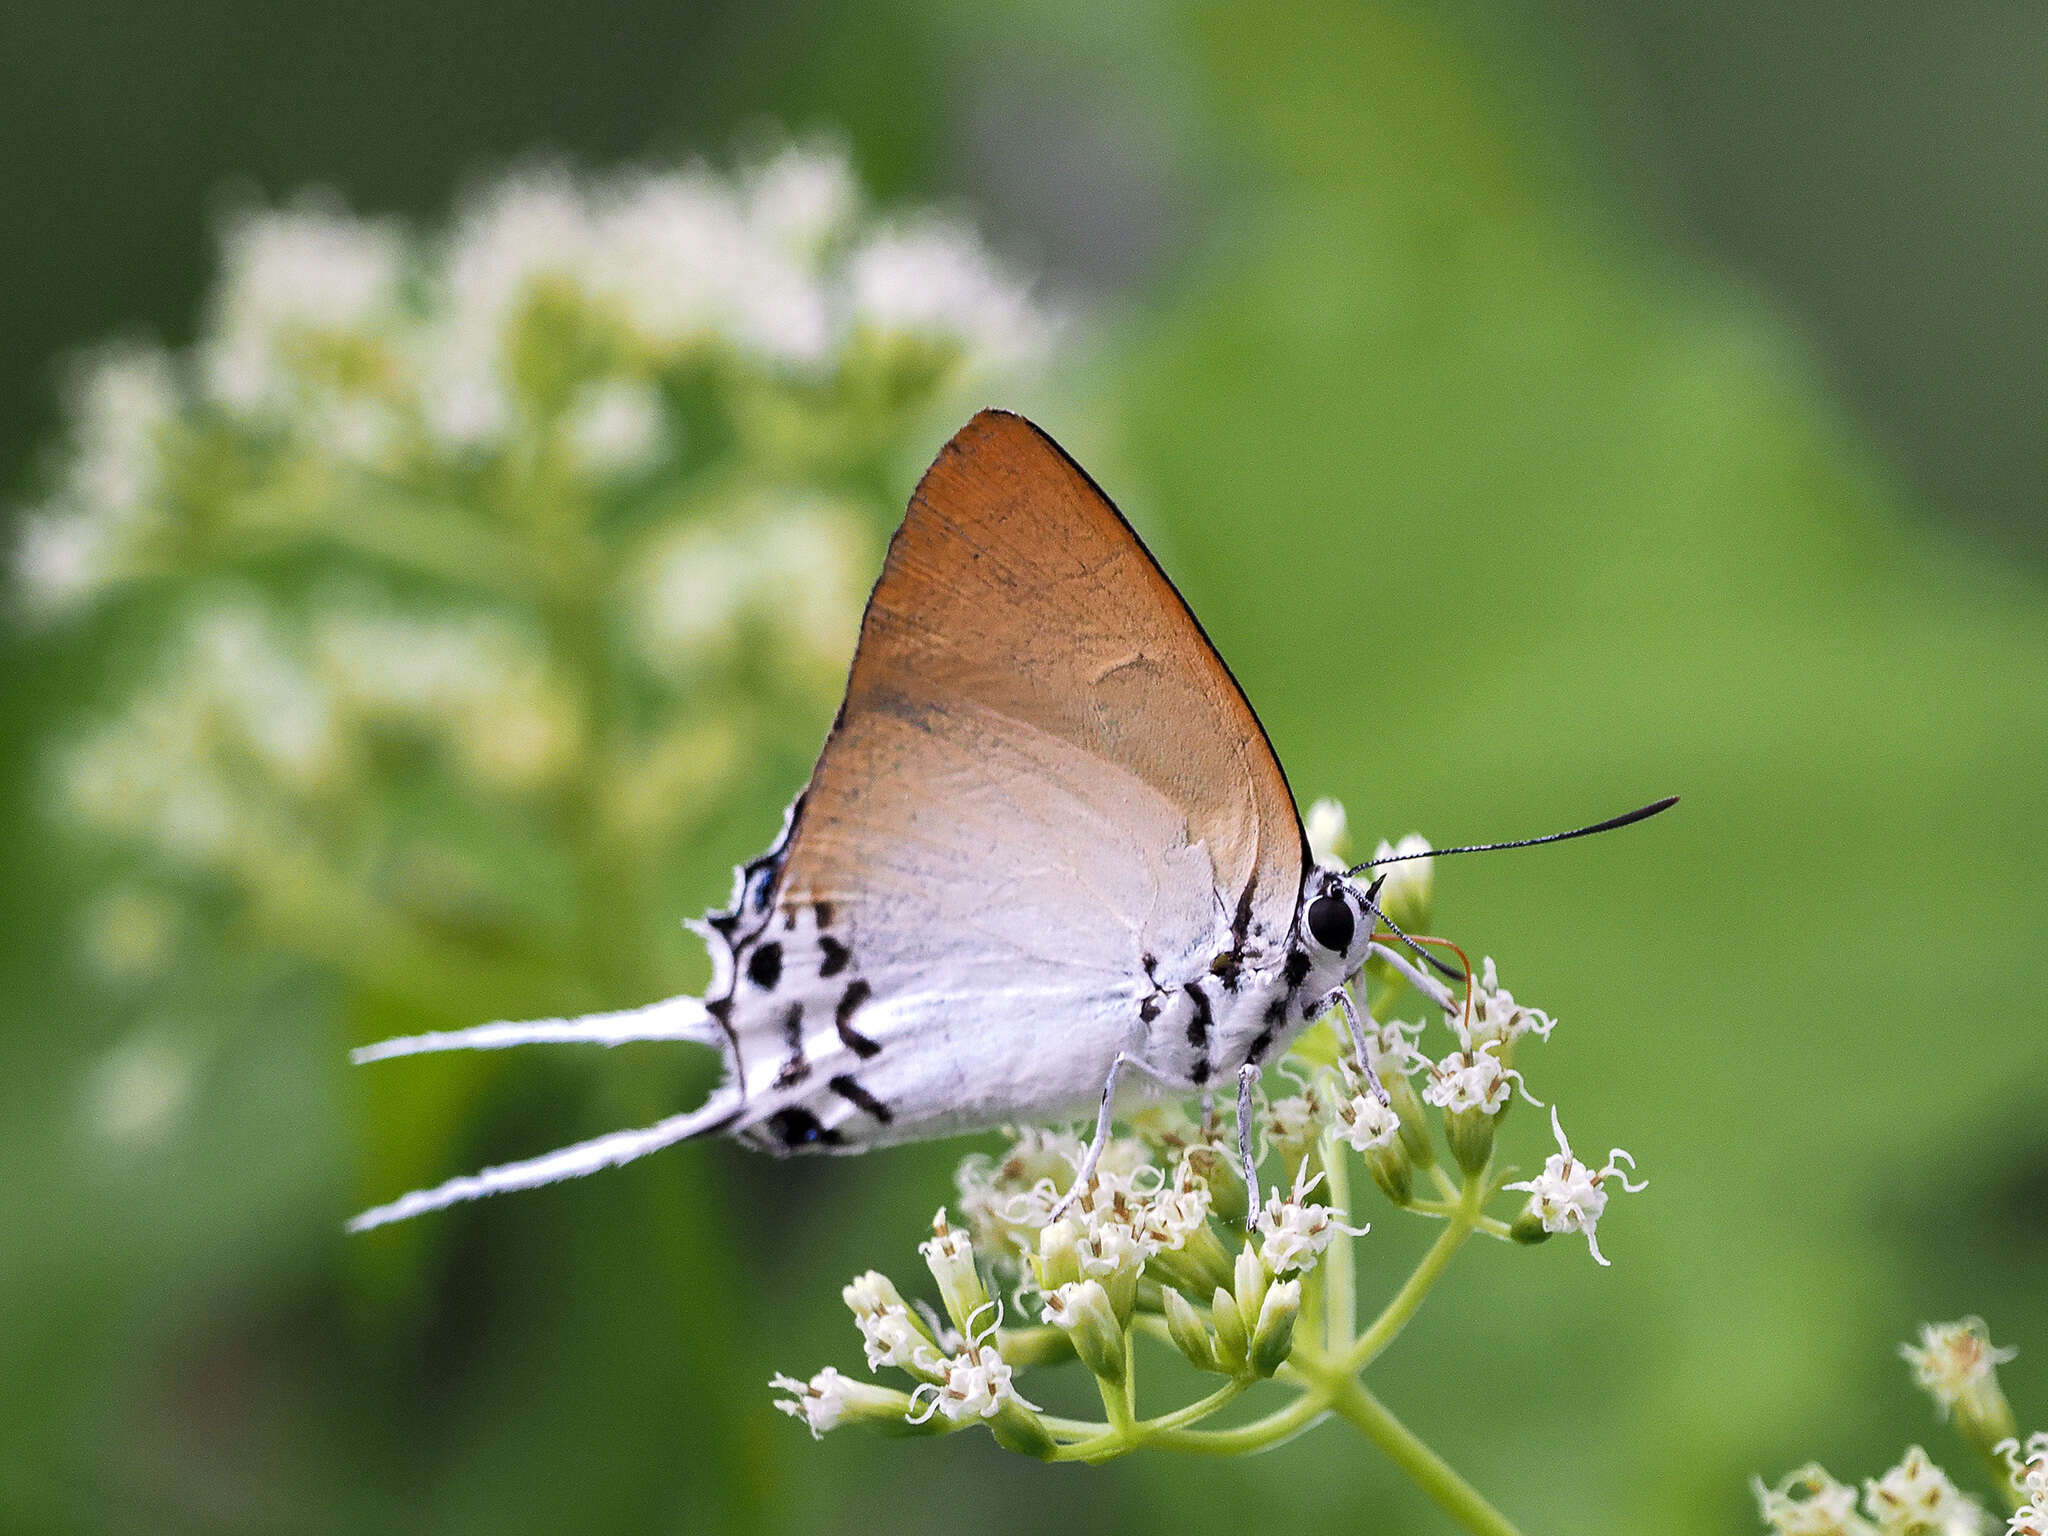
(675, 1018)
(563, 1163)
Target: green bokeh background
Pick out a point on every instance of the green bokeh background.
(1509, 503)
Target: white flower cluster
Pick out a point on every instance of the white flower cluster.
(1957, 1365)
(1914, 1498)
(549, 324)
(107, 508)
(253, 707)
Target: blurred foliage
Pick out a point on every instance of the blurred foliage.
(1506, 518)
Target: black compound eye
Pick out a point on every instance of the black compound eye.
(1330, 923)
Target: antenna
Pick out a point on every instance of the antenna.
(1628, 818)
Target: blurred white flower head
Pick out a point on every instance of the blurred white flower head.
(1955, 1362)
(1916, 1498)
(1328, 832)
(290, 279)
(1809, 1502)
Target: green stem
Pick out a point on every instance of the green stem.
(1388, 1325)
(1427, 1470)
(1104, 1441)
(1259, 1435)
(1340, 1277)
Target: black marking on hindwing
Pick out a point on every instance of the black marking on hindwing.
(796, 1068)
(1262, 1042)
(857, 992)
(837, 955)
(764, 966)
(794, 1126)
(1198, 1031)
(849, 1089)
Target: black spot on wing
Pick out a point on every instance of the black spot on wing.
(836, 955)
(1148, 1010)
(1198, 1023)
(764, 966)
(857, 992)
(850, 1090)
(822, 910)
(797, 1127)
(796, 1068)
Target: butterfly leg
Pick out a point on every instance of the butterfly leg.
(1103, 1115)
(1247, 1078)
(1341, 998)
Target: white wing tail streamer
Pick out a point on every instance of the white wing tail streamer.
(674, 1018)
(571, 1162)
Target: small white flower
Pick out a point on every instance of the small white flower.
(977, 1385)
(1367, 1123)
(1568, 1196)
(802, 199)
(287, 276)
(1295, 1124)
(934, 281)
(1175, 1214)
(1110, 1246)
(1294, 1231)
(136, 1090)
(64, 558)
(1473, 1079)
(1065, 1304)
(615, 427)
(1955, 1362)
(1327, 829)
(1917, 1497)
(1410, 881)
(830, 1399)
(2029, 1466)
(1809, 1502)
(1390, 1048)
(891, 1337)
(1494, 1016)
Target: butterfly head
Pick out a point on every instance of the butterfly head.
(1336, 923)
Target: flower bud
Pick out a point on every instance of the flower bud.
(1528, 1229)
(1416, 1140)
(1082, 1308)
(1469, 1133)
(1252, 1280)
(1391, 1170)
(1017, 1428)
(1059, 1261)
(1218, 1169)
(1409, 895)
(1273, 1339)
(1184, 1327)
(1233, 1343)
(950, 1255)
(1205, 1255)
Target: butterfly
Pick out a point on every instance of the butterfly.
(1047, 845)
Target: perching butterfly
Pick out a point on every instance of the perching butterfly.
(1047, 842)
